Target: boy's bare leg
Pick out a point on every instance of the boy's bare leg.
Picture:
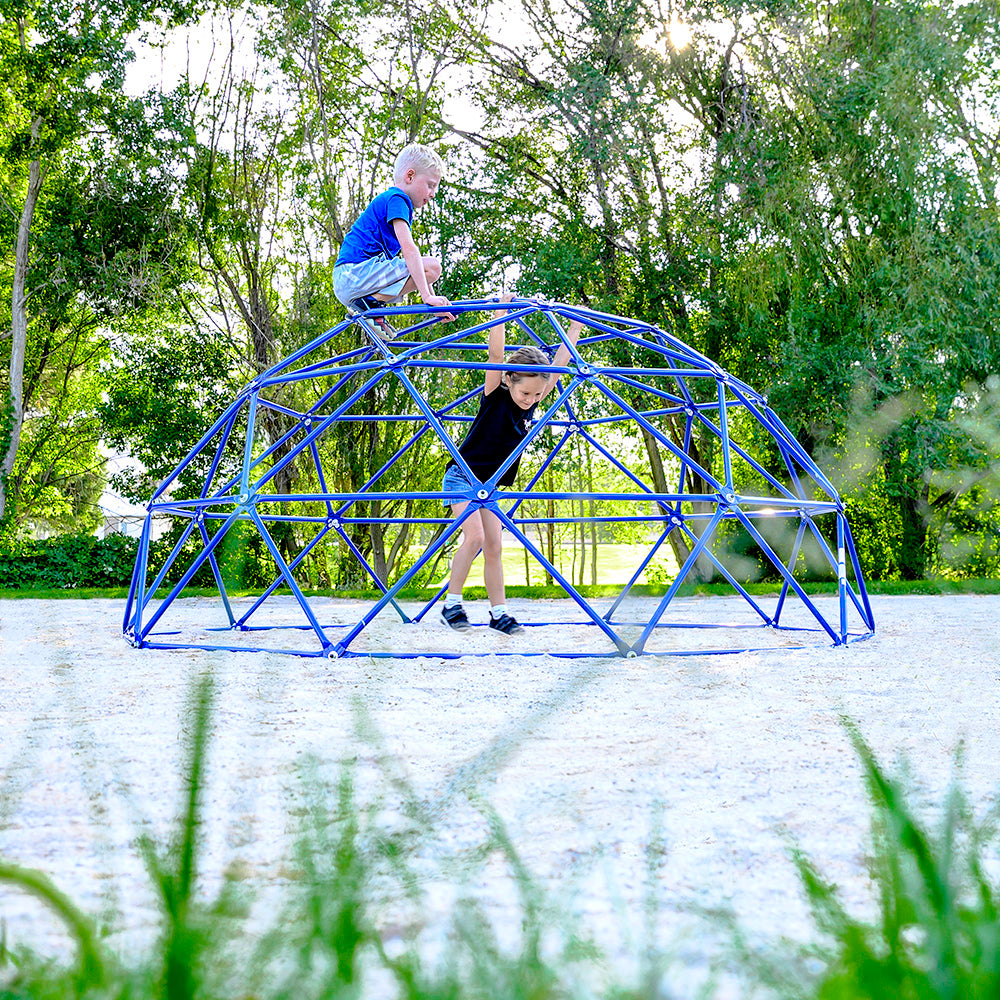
(432, 271)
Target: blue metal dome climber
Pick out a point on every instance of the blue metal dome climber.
(628, 384)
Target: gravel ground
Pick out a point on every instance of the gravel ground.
(730, 757)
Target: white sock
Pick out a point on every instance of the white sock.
(498, 610)
(452, 600)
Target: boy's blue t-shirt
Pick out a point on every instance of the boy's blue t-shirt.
(373, 234)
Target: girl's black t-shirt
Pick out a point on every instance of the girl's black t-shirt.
(496, 431)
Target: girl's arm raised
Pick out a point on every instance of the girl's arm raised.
(496, 343)
(562, 355)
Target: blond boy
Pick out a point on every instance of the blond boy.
(379, 261)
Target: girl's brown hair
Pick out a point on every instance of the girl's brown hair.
(529, 355)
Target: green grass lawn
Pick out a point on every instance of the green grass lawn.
(615, 565)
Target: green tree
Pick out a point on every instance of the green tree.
(61, 67)
(872, 282)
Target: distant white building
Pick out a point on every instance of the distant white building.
(119, 516)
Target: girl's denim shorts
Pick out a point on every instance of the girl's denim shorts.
(454, 480)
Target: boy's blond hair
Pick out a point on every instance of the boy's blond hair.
(421, 158)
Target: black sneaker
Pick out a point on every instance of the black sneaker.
(365, 303)
(505, 624)
(456, 617)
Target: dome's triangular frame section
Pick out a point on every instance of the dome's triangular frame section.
(663, 381)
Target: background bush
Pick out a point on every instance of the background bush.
(67, 561)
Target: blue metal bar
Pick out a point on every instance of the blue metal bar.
(216, 572)
(621, 418)
(402, 450)
(353, 369)
(360, 519)
(368, 568)
(174, 553)
(800, 454)
(615, 462)
(313, 414)
(564, 341)
(730, 579)
(433, 420)
(622, 646)
(232, 648)
(503, 496)
(306, 349)
(780, 567)
(312, 435)
(842, 578)
(191, 570)
(303, 422)
(390, 595)
(306, 549)
(248, 449)
(833, 561)
(138, 577)
(358, 357)
(682, 574)
(688, 431)
(755, 465)
(187, 507)
(603, 321)
(787, 445)
(227, 414)
(618, 376)
(779, 506)
(727, 458)
(289, 578)
(635, 576)
(666, 442)
(595, 370)
(320, 477)
(867, 616)
(528, 490)
(348, 357)
(217, 458)
(379, 418)
(793, 474)
(791, 567)
(486, 366)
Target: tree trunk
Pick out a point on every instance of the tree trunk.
(19, 324)
(913, 510)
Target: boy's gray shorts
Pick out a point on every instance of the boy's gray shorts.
(383, 274)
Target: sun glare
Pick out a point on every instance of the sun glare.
(679, 34)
